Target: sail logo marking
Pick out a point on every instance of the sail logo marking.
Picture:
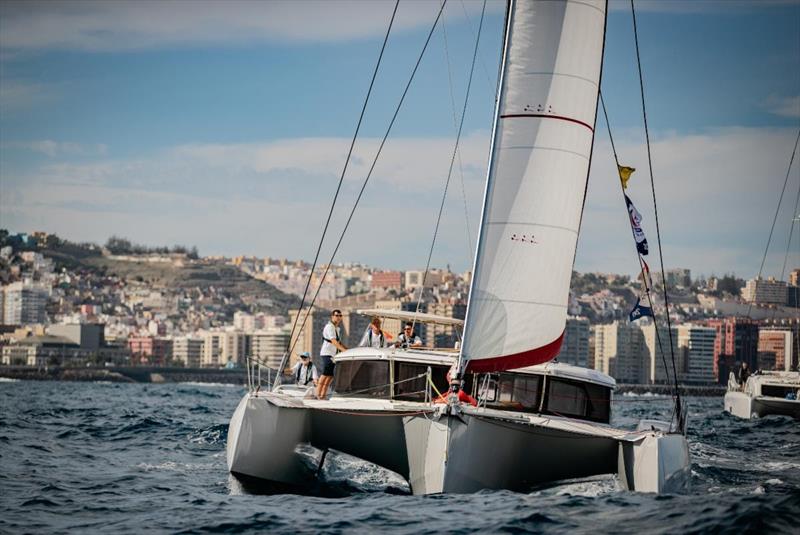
(524, 238)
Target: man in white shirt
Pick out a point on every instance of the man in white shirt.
(331, 344)
(304, 372)
(374, 337)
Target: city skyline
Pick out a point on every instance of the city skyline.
(227, 129)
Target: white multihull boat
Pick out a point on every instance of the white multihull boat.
(449, 447)
(534, 423)
(764, 394)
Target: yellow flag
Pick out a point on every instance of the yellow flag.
(625, 175)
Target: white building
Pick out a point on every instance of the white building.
(268, 346)
(575, 348)
(655, 359)
(697, 344)
(619, 351)
(222, 347)
(188, 351)
(769, 291)
(24, 303)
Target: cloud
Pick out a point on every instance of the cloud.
(21, 94)
(716, 189)
(52, 148)
(784, 106)
(717, 192)
(130, 25)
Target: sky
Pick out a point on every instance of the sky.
(226, 125)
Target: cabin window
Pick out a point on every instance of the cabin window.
(519, 393)
(409, 387)
(776, 391)
(362, 378)
(578, 400)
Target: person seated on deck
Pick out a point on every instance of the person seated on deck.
(744, 373)
(304, 372)
(374, 337)
(408, 338)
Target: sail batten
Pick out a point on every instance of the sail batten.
(541, 149)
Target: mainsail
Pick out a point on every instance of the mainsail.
(541, 149)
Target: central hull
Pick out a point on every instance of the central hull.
(433, 449)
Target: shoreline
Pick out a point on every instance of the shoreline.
(238, 376)
(126, 374)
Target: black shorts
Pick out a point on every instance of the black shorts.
(327, 365)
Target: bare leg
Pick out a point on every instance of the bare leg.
(324, 383)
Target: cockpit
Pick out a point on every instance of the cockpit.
(552, 388)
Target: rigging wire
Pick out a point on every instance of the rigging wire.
(658, 229)
(455, 125)
(289, 345)
(452, 162)
(789, 242)
(371, 169)
(774, 219)
(641, 264)
(492, 87)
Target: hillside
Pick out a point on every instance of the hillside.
(180, 275)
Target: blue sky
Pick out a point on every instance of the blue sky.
(226, 125)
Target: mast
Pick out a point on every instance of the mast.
(533, 202)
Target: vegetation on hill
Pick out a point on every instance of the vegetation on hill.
(168, 275)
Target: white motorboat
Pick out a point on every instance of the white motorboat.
(764, 393)
(533, 421)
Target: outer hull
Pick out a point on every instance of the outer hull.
(744, 406)
(262, 438)
(439, 452)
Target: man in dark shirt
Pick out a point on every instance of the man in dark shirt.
(744, 373)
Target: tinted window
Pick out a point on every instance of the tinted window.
(776, 391)
(408, 386)
(578, 400)
(362, 378)
(518, 393)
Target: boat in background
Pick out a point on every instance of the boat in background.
(764, 393)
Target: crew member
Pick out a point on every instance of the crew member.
(304, 372)
(744, 373)
(408, 338)
(331, 344)
(374, 336)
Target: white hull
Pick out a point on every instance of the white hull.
(436, 452)
(745, 406)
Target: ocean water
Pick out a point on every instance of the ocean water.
(129, 458)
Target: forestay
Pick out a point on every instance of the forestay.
(541, 149)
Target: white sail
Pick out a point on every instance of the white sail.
(543, 132)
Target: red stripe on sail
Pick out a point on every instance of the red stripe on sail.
(517, 360)
(545, 116)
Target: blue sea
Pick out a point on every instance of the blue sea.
(133, 458)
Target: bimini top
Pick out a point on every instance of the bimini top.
(568, 371)
(392, 353)
(407, 315)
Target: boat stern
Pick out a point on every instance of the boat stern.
(654, 462)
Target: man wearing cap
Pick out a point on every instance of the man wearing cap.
(304, 372)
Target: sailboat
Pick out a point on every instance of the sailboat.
(533, 421)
